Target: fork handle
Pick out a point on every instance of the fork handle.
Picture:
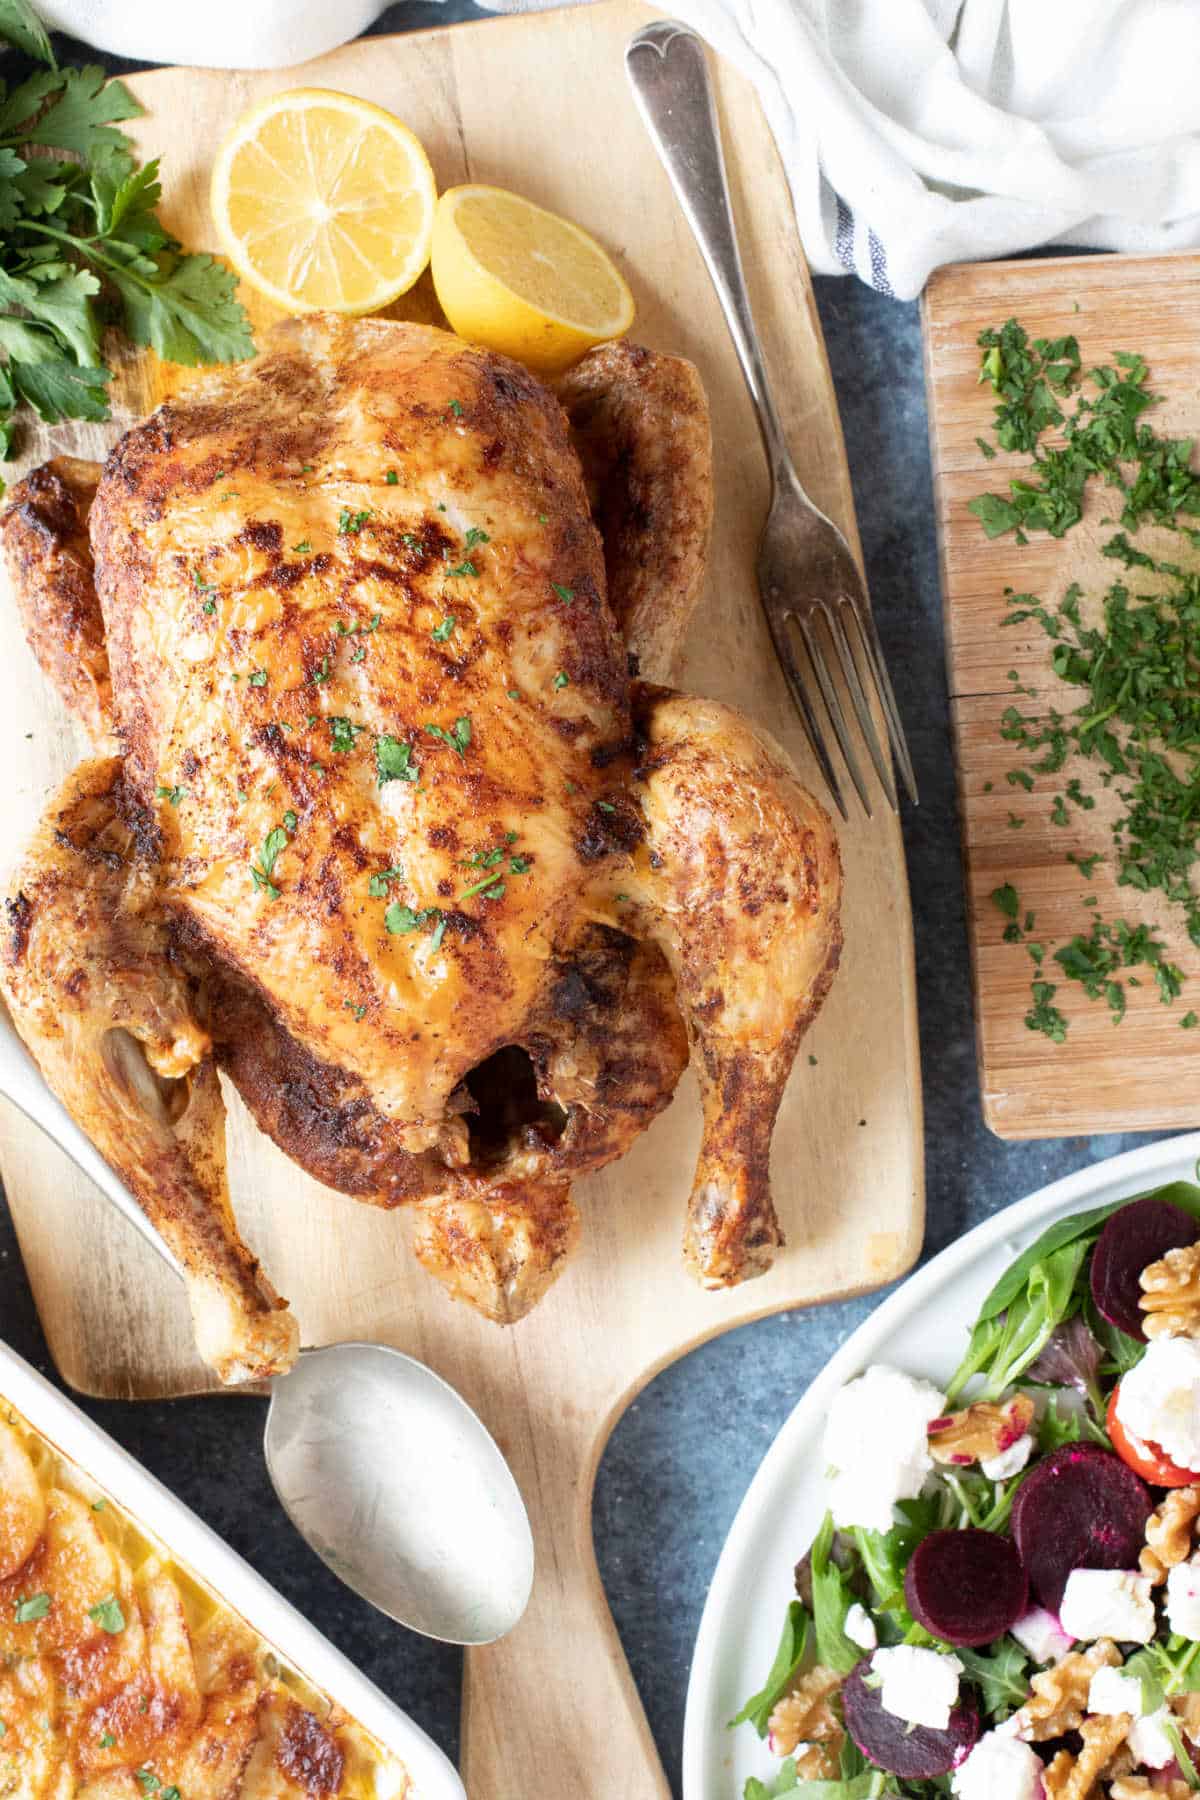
(669, 76)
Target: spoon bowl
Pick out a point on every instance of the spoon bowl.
(400, 1489)
(380, 1465)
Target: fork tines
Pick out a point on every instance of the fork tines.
(845, 625)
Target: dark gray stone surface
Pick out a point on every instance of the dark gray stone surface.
(681, 1459)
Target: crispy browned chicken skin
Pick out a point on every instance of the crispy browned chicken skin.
(398, 843)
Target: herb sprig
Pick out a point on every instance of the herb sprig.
(78, 228)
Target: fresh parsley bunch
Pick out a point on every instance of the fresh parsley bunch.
(81, 245)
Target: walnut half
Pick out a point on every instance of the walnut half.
(1058, 1696)
(806, 1716)
(1170, 1533)
(1171, 1294)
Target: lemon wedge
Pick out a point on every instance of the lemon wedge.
(324, 202)
(518, 279)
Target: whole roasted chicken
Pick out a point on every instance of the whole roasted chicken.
(381, 825)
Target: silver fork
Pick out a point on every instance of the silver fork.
(808, 580)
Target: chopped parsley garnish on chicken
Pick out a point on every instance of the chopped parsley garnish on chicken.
(378, 884)
(490, 887)
(321, 673)
(394, 760)
(26, 1612)
(561, 680)
(400, 919)
(565, 594)
(463, 568)
(343, 732)
(475, 536)
(442, 631)
(351, 523)
(258, 678)
(262, 871)
(458, 738)
(391, 477)
(173, 794)
(302, 548)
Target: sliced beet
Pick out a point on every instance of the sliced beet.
(1132, 1239)
(912, 1751)
(1078, 1508)
(966, 1587)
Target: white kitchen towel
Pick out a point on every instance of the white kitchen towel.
(914, 132)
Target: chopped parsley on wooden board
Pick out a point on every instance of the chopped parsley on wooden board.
(1076, 717)
(1133, 653)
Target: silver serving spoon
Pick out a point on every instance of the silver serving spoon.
(381, 1467)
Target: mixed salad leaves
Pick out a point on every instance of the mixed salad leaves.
(973, 1554)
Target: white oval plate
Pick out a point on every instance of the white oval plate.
(921, 1328)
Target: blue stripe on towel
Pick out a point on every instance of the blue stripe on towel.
(843, 242)
(879, 271)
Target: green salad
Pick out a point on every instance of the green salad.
(1003, 1599)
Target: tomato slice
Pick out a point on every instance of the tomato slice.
(1147, 1459)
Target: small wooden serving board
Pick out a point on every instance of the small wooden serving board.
(1139, 1076)
(539, 104)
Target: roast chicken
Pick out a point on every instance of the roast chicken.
(391, 821)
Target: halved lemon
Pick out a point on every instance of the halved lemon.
(518, 279)
(324, 202)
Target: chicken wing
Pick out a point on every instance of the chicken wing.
(639, 422)
(93, 989)
(49, 555)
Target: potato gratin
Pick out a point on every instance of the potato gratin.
(121, 1675)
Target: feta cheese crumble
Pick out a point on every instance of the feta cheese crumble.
(877, 1445)
(859, 1627)
(1149, 1742)
(1159, 1399)
(1111, 1603)
(1111, 1692)
(999, 1768)
(1042, 1636)
(918, 1686)
(1183, 1600)
(1010, 1461)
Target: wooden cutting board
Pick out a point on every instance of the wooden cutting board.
(1141, 1075)
(539, 104)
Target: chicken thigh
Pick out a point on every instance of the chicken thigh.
(444, 893)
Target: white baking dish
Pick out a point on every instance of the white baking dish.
(197, 1548)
